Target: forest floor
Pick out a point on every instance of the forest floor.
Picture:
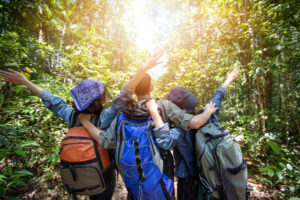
(49, 193)
(259, 191)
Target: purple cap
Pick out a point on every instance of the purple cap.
(183, 99)
(86, 92)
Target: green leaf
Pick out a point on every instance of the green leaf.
(1, 100)
(15, 183)
(294, 198)
(20, 152)
(14, 198)
(281, 165)
(2, 178)
(21, 173)
(8, 169)
(2, 191)
(274, 147)
(3, 153)
(19, 89)
(29, 143)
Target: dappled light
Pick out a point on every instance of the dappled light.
(58, 43)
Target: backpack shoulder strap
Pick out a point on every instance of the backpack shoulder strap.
(73, 118)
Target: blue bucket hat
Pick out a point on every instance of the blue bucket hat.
(183, 99)
(86, 92)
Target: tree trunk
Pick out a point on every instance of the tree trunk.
(292, 106)
(279, 89)
(260, 103)
(268, 91)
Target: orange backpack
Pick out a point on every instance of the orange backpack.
(85, 169)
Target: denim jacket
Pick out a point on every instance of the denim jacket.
(62, 110)
(184, 151)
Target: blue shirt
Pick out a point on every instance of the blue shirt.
(61, 109)
(184, 151)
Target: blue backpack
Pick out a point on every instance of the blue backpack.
(139, 161)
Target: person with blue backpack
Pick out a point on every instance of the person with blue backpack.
(183, 142)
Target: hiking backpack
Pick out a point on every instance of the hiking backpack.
(85, 169)
(139, 161)
(223, 171)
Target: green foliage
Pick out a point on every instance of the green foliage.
(57, 43)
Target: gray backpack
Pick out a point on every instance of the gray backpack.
(223, 171)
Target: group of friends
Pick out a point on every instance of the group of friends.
(175, 120)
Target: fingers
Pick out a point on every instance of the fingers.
(236, 71)
(5, 73)
(13, 71)
(6, 76)
(158, 54)
(212, 104)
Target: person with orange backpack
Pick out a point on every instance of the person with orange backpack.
(85, 169)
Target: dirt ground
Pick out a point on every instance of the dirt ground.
(257, 193)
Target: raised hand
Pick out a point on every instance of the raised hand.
(152, 61)
(231, 76)
(16, 77)
(211, 107)
(12, 76)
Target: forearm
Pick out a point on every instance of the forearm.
(134, 81)
(34, 88)
(156, 119)
(226, 84)
(93, 131)
(167, 138)
(199, 120)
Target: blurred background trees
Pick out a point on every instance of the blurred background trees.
(57, 43)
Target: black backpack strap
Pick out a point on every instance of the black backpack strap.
(168, 160)
(74, 196)
(138, 160)
(73, 118)
(163, 185)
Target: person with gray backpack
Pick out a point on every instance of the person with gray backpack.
(184, 148)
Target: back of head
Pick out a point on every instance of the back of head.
(184, 99)
(143, 87)
(88, 96)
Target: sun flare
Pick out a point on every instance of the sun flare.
(150, 26)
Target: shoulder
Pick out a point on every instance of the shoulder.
(167, 105)
(164, 103)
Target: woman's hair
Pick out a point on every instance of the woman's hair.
(96, 106)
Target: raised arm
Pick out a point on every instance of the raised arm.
(211, 109)
(231, 77)
(119, 101)
(12, 76)
(152, 106)
(199, 120)
(149, 64)
(52, 102)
